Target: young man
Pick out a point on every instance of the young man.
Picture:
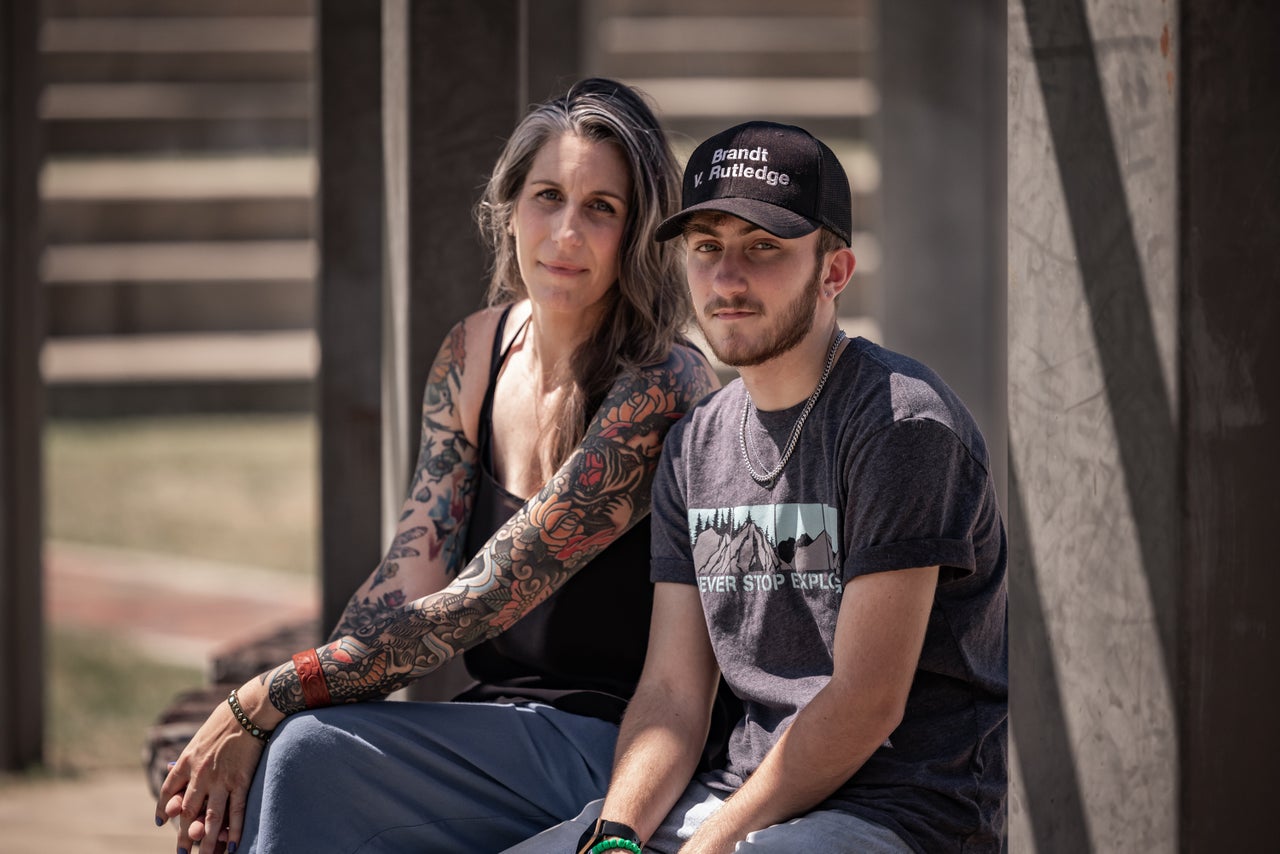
(825, 534)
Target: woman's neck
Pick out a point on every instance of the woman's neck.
(552, 339)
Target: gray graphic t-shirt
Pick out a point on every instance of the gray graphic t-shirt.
(890, 473)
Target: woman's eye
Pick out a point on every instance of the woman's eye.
(549, 195)
(602, 206)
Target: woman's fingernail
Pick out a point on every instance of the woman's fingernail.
(171, 764)
(231, 848)
(182, 851)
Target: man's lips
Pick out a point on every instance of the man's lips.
(730, 312)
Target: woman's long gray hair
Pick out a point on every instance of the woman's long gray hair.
(646, 313)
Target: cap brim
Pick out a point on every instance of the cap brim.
(776, 220)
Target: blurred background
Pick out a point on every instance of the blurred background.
(241, 228)
(178, 270)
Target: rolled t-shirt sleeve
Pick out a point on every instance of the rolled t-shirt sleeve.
(671, 552)
(914, 495)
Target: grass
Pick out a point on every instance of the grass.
(239, 489)
(232, 488)
(102, 696)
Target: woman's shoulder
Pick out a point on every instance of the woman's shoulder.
(471, 340)
(685, 375)
(465, 357)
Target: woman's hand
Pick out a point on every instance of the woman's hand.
(208, 787)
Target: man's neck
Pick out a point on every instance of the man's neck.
(791, 377)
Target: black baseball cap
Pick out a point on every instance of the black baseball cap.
(779, 177)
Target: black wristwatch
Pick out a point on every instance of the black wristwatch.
(602, 830)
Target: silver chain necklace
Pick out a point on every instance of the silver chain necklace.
(767, 479)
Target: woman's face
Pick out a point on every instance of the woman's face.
(568, 222)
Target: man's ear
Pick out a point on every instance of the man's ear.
(838, 271)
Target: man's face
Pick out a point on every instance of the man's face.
(754, 294)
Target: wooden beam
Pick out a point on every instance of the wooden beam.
(350, 233)
(21, 399)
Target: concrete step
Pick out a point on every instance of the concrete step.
(170, 374)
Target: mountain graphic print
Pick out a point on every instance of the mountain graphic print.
(765, 539)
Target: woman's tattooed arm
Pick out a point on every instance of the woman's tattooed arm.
(599, 493)
(433, 520)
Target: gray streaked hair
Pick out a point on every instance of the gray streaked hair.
(648, 310)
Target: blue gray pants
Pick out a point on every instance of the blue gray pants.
(821, 830)
(423, 777)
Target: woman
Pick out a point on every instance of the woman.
(542, 423)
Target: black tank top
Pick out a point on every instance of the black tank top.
(582, 649)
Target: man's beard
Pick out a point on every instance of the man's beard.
(792, 325)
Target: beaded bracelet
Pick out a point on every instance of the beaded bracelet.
(615, 844)
(249, 726)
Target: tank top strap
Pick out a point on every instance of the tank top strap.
(497, 358)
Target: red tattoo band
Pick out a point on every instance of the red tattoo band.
(315, 692)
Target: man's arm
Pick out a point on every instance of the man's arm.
(666, 723)
(879, 635)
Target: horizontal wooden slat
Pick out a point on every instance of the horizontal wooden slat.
(254, 260)
(167, 8)
(189, 177)
(697, 65)
(178, 35)
(723, 34)
(161, 307)
(161, 67)
(729, 10)
(160, 219)
(175, 101)
(761, 96)
(289, 355)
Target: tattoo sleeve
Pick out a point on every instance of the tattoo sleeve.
(599, 492)
(441, 492)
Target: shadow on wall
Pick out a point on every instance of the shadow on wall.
(1138, 401)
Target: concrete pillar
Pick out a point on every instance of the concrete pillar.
(1093, 433)
(21, 397)
(1144, 378)
(942, 153)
